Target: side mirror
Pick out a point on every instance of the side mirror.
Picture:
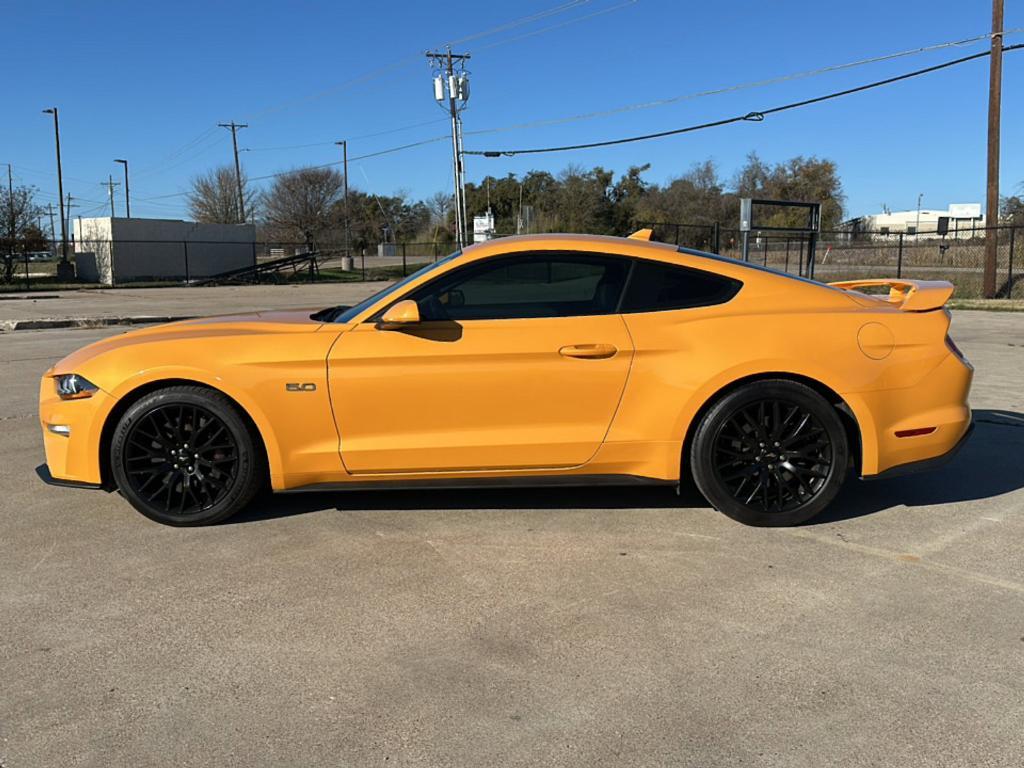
(405, 312)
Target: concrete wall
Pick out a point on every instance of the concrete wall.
(128, 250)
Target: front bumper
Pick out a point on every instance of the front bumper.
(43, 472)
(73, 457)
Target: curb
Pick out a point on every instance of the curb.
(43, 323)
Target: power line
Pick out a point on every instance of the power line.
(741, 86)
(406, 60)
(354, 138)
(629, 107)
(755, 116)
(389, 151)
(560, 25)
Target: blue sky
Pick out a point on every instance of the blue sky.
(149, 81)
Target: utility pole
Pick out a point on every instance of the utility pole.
(127, 198)
(344, 163)
(917, 226)
(64, 269)
(49, 209)
(67, 208)
(10, 209)
(457, 86)
(235, 128)
(995, 87)
(110, 190)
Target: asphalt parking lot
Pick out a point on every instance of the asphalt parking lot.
(555, 627)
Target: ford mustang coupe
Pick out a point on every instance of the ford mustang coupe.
(549, 359)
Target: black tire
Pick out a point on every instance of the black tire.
(770, 453)
(185, 456)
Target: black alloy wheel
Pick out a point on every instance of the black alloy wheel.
(183, 456)
(770, 453)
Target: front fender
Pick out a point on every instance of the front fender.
(175, 374)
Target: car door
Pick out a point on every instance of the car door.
(518, 362)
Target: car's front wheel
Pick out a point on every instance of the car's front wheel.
(770, 453)
(184, 456)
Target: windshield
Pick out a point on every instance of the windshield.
(348, 313)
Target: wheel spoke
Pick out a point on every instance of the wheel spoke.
(772, 455)
(169, 476)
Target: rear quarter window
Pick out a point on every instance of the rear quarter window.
(655, 286)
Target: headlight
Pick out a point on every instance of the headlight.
(71, 386)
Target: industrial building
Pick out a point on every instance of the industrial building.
(114, 251)
(960, 220)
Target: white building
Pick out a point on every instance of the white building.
(483, 227)
(115, 250)
(960, 220)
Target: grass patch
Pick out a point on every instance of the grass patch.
(989, 305)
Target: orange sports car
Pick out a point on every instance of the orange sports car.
(550, 359)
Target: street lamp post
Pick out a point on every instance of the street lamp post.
(64, 269)
(127, 197)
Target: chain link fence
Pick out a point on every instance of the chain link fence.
(958, 257)
(178, 262)
(840, 255)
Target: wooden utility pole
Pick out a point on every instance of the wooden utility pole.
(110, 184)
(235, 128)
(344, 162)
(995, 87)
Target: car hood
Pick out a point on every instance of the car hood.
(276, 323)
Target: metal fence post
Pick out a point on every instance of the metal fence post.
(28, 282)
(899, 258)
(185, 244)
(812, 254)
(364, 264)
(787, 254)
(404, 272)
(1009, 272)
(716, 239)
(764, 251)
(255, 274)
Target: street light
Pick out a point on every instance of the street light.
(64, 269)
(127, 197)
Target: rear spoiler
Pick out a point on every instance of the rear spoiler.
(907, 295)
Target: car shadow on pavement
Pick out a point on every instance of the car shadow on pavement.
(991, 463)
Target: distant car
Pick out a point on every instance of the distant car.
(39, 256)
(554, 359)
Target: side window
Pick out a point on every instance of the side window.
(655, 286)
(525, 286)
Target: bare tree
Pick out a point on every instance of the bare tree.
(213, 198)
(300, 204)
(19, 228)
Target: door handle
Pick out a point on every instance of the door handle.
(588, 351)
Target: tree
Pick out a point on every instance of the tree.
(19, 230)
(440, 206)
(300, 205)
(805, 179)
(1011, 210)
(213, 198)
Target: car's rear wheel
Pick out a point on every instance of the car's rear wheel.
(185, 456)
(770, 453)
